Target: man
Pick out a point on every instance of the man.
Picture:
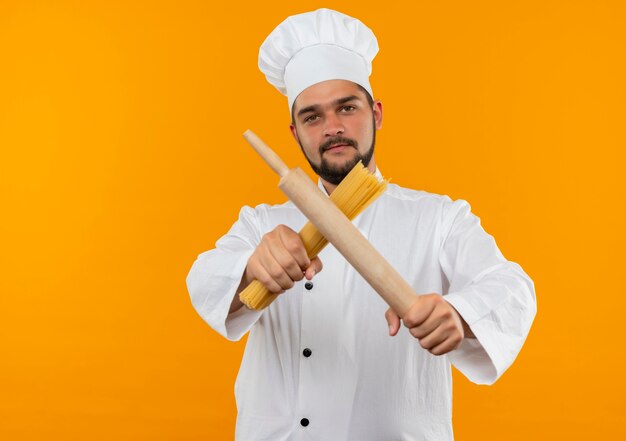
(318, 363)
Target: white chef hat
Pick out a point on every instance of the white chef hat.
(309, 48)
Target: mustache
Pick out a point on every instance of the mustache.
(337, 140)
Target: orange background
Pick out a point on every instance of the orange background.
(122, 159)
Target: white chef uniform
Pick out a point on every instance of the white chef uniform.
(319, 363)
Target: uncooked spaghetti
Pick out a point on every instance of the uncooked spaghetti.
(355, 193)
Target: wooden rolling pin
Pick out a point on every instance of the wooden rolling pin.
(339, 231)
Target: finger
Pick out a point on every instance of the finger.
(420, 310)
(263, 276)
(283, 257)
(446, 346)
(444, 317)
(446, 337)
(275, 270)
(393, 321)
(293, 244)
(314, 268)
(426, 327)
(436, 337)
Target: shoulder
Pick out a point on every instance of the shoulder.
(398, 195)
(267, 216)
(421, 203)
(264, 210)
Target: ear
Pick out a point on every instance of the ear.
(294, 133)
(377, 108)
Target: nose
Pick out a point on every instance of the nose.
(333, 125)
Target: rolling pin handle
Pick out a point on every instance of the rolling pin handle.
(268, 155)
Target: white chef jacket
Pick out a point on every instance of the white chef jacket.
(319, 363)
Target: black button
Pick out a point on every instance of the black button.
(304, 422)
(308, 285)
(307, 352)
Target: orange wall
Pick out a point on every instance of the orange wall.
(122, 159)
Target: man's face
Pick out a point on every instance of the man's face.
(336, 128)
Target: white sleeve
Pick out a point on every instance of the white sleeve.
(494, 296)
(216, 274)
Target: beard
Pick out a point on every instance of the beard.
(334, 174)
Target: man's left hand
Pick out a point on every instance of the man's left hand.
(434, 322)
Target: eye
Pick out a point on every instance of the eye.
(348, 108)
(310, 119)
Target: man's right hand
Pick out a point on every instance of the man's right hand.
(280, 260)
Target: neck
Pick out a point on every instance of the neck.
(329, 187)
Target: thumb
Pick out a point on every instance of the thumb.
(314, 267)
(393, 320)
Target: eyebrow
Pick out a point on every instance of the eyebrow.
(337, 102)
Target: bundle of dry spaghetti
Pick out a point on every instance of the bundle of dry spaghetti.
(355, 193)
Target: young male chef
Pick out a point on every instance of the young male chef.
(321, 362)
